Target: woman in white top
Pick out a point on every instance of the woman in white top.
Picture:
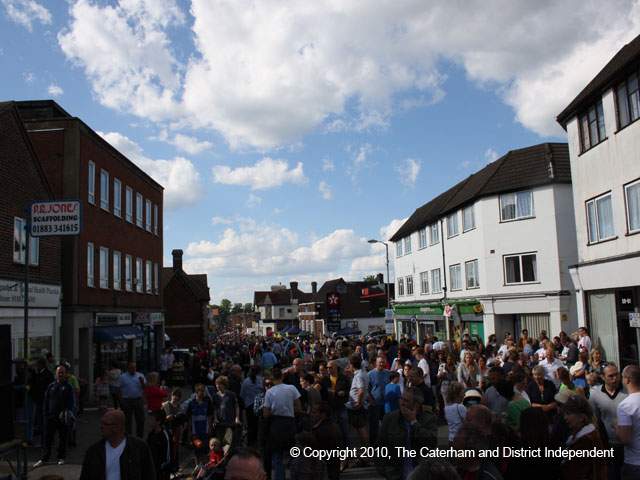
(468, 371)
(455, 412)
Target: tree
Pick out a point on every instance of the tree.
(224, 310)
(248, 307)
(371, 278)
(237, 308)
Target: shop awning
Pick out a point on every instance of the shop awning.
(103, 335)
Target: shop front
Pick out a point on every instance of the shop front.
(114, 341)
(149, 346)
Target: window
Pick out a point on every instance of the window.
(128, 272)
(600, 219)
(147, 215)
(471, 273)
(468, 219)
(147, 277)
(632, 194)
(117, 197)
(410, 285)
(155, 219)
(628, 101)
(520, 268)
(436, 283)
(281, 312)
(399, 249)
(514, 206)
(424, 283)
(92, 183)
(401, 286)
(455, 275)
(138, 279)
(592, 130)
(104, 190)
(117, 271)
(90, 260)
(434, 234)
(104, 267)
(139, 210)
(129, 204)
(155, 278)
(452, 225)
(407, 245)
(20, 243)
(422, 234)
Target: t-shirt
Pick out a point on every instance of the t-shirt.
(280, 398)
(200, 416)
(391, 395)
(360, 380)
(112, 470)
(496, 402)
(377, 383)
(425, 370)
(456, 415)
(514, 410)
(550, 368)
(629, 415)
(584, 344)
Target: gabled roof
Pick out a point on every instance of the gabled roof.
(627, 55)
(197, 284)
(517, 170)
(280, 297)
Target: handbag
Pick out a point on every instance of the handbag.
(67, 417)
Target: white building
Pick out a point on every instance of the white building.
(497, 246)
(604, 145)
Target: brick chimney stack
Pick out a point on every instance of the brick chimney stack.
(177, 259)
(294, 290)
(380, 278)
(314, 287)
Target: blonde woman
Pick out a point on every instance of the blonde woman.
(468, 371)
(455, 412)
(597, 364)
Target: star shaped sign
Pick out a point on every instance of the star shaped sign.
(333, 299)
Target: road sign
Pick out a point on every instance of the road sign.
(634, 320)
(55, 218)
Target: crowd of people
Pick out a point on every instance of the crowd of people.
(380, 394)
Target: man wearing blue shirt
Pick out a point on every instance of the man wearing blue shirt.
(130, 387)
(378, 380)
(268, 360)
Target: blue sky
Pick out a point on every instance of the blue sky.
(288, 133)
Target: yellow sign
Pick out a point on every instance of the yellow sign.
(565, 317)
(478, 308)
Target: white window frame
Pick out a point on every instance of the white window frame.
(103, 261)
(139, 210)
(117, 197)
(434, 234)
(155, 219)
(423, 239)
(401, 287)
(436, 281)
(138, 278)
(399, 248)
(453, 228)
(424, 283)
(117, 270)
(471, 217)
(128, 273)
(128, 200)
(455, 277)
(632, 204)
(155, 278)
(147, 277)
(596, 216)
(407, 245)
(104, 190)
(471, 275)
(410, 285)
(91, 259)
(20, 245)
(518, 215)
(91, 187)
(521, 269)
(147, 214)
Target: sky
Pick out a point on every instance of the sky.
(287, 133)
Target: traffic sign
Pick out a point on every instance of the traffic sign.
(55, 218)
(634, 320)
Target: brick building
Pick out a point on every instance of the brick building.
(186, 299)
(112, 307)
(23, 181)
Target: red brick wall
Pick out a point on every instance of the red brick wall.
(183, 309)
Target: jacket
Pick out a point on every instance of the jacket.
(58, 397)
(586, 468)
(136, 461)
(393, 433)
(342, 385)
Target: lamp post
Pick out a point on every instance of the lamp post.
(388, 280)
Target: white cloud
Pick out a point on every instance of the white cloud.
(266, 73)
(325, 190)
(179, 177)
(490, 155)
(327, 165)
(265, 174)
(185, 143)
(25, 12)
(54, 90)
(387, 231)
(29, 78)
(409, 171)
(253, 201)
(359, 159)
(221, 221)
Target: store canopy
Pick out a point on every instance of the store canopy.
(293, 330)
(103, 335)
(346, 332)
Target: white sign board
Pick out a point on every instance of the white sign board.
(56, 218)
(388, 327)
(634, 320)
(40, 295)
(388, 313)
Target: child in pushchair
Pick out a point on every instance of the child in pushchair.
(214, 468)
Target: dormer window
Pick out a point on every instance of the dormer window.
(592, 130)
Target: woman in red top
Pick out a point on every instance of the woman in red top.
(155, 394)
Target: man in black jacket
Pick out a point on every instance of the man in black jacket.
(117, 452)
(335, 390)
(326, 433)
(42, 379)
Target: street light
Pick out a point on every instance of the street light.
(388, 280)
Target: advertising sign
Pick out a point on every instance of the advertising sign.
(56, 218)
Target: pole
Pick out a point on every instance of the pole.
(27, 254)
(388, 279)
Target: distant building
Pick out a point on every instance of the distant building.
(186, 300)
(278, 307)
(604, 141)
(242, 322)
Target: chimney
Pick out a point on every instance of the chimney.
(294, 290)
(380, 278)
(177, 259)
(314, 287)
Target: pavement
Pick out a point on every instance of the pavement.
(87, 433)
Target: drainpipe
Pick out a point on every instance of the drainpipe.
(444, 278)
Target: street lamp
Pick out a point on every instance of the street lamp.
(388, 280)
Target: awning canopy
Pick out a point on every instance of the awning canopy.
(104, 335)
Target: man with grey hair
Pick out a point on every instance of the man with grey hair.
(245, 463)
(410, 427)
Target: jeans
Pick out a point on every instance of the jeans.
(131, 407)
(278, 466)
(52, 426)
(376, 412)
(341, 418)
